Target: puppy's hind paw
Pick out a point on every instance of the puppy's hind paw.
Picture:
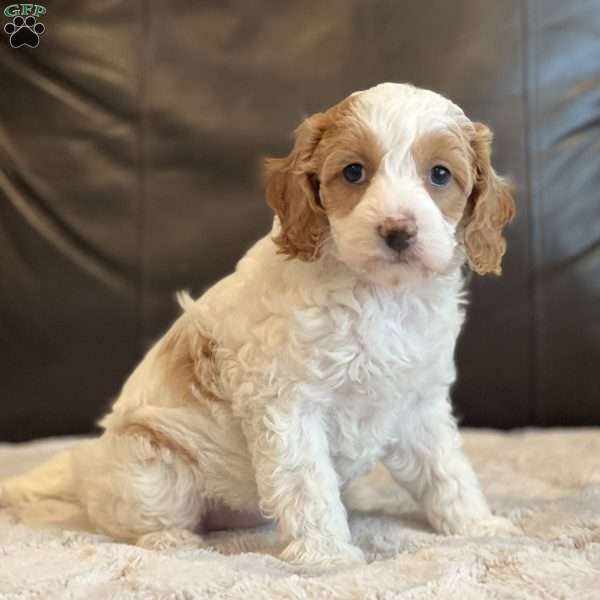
(3, 497)
(13, 494)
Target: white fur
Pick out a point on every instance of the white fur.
(322, 373)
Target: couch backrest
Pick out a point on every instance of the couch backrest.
(130, 150)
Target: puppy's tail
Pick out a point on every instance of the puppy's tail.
(51, 480)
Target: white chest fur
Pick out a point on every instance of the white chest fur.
(383, 360)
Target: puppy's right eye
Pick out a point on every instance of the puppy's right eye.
(354, 173)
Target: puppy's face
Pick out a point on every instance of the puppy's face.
(397, 183)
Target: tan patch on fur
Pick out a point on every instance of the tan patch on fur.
(489, 208)
(346, 142)
(305, 186)
(206, 380)
(189, 360)
(157, 440)
(451, 150)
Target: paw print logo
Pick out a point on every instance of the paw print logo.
(24, 32)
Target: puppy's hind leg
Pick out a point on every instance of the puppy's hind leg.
(139, 486)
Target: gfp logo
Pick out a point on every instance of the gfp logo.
(25, 29)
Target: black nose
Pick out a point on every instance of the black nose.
(399, 239)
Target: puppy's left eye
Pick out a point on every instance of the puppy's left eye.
(354, 173)
(439, 175)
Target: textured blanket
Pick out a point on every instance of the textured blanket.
(547, 482)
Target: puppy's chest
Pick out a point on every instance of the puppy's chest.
(385, 348)
(381, 369)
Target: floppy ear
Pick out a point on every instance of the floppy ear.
(292, 192)
(489, 208)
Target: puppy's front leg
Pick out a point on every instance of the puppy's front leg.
(430, 464)
(298, 485)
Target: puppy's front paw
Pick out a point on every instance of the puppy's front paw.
(489, 527)
(322, 553)
(169, 539)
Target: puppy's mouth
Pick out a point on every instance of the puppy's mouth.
(408, 257)
(404, 261)
(394, 272)
(409, 262)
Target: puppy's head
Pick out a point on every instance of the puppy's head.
(397, 183)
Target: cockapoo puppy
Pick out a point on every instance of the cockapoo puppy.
(330, 348)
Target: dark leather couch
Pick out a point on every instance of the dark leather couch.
(130, 148)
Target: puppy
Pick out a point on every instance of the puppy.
(328, 349)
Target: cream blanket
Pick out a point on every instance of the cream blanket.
(546, 481)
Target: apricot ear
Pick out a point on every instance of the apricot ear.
(489, 208)
(292, 192)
